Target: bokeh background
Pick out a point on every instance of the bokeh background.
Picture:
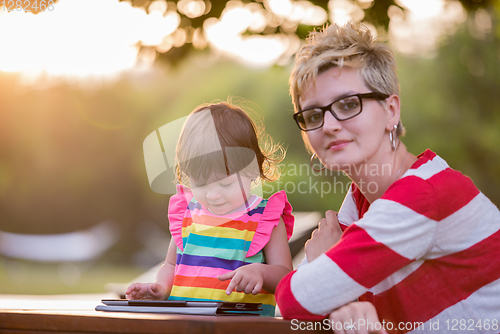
(83, 82)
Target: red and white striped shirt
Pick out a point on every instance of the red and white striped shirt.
(428, 250)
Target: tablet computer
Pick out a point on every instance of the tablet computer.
(180, 307)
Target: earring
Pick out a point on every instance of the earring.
(392, 137)
(312, 166)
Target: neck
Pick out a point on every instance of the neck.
(375, 175)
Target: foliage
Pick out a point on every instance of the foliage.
(375, 12)
(452, 103)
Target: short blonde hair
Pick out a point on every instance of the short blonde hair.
(351, 45)
(221, 137)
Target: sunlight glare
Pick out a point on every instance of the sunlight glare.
(306, 13)
(418, 30)
(236, 19)
(365, 4)
(191, 8)
(422, 9)
(80, 38)
(261, 51)
(156, 27)
(342, 11)
(281, 8)
(481, 25)
(226, 37)
(260, 17)
(159, 6)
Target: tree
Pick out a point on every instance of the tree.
(281, 17)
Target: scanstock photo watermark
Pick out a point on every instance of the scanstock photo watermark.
(302, 179)
(360, 324)
(437, 325)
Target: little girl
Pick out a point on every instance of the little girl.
(227, 244)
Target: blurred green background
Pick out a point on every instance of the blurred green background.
(71, 155)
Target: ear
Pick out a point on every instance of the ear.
(393, 109)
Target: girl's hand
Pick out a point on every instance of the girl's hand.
(351, 314)
(248, 279)
(149, 291)
(324, 237)
(252, 278)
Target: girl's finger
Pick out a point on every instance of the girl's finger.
(226, 276)
(242, 285)
(232, 284)
(257, 288)
(249, 288)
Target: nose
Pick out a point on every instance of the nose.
(212, 193)
(331, 124)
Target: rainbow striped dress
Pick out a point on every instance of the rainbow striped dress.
(209, 245)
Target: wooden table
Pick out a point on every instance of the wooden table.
(72, 320)
(44, 321)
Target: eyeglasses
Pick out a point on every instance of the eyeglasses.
(342, 109)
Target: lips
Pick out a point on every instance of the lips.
(212, 204)
(337, 145)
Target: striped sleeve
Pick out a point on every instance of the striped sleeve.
(368, 252)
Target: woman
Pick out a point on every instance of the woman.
(422, 243)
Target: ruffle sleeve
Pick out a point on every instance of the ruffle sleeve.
(277, 207)
(176, 212)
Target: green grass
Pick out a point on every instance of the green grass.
(25, 277)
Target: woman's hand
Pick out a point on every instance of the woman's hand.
(248, 279)
(147, 291)
(356, 318)
(324, 237)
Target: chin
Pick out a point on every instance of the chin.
(337, 164)
(220, 211)
(342, 162)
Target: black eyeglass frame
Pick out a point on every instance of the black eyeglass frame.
(372, 95)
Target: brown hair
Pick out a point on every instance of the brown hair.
(221, 137)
